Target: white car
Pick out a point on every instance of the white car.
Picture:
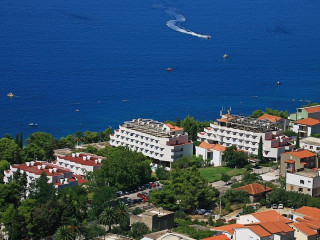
(280, 206)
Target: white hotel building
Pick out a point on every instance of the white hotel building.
(163, 143)
(79, 163)
(245, 133)
(58, 176)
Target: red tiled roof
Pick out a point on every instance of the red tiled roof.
(34, 169)
(276, 227)
(216, 147)
(222, 120)
(259, 230)
(269, 117)
(308, 121)
(218, 237)
(303, 227)
(173, 128)
(80, 179)
(254, 188)
(269, 216)
(312, 212)
(312, 109)
(289, 161)
(301, 153)
(80, 160)
(227, 228)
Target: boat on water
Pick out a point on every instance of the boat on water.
(208, 37)
(10, 94)
(168, 69)
(225, 56)
(33, 124)
(278, 83)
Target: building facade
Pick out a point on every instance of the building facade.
(281, 122)
(301, 169)
(211, 152)
(306, 127)
(311, 143)
(245, 133)
(306, 112)
(60, 177)
(80, 163)
(163, 143)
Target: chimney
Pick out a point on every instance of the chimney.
(84, 158)
(96, 161)
(28, 164)
(78, 154)
(39, 167)
(32, 163)
(54, 169)
(43, 166)
(61, 180)
(50, 170)
(73, 155)
(88, 157)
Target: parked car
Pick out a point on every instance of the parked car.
(274, 206)
(157, 184)
(200, 211)
(232, 220)
(119, 193)
(145, 193)
(144, 197)
(280, 206)
(268, 205)
(147, 185)
(208, 214)
(152, 184)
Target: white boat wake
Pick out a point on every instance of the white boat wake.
(174, 24)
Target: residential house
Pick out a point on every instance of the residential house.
(156, 219)
(306, 127)
(308, 213)
(245, 133)
(281, 122)
(211, 152)
(306, 112)
(256, 191)
(310, 143)
(163, 143)
(300, 167)
(166, 235)
(262, 217)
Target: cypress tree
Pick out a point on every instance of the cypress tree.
(178, 123)
(260, 150)
(298, 141)
(17, 141)
(21, 141)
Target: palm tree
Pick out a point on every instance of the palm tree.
(65, 233)
(79, 137)
(122, 212)
(108, 217)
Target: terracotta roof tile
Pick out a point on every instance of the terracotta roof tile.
(269, 117)
(312, 212)
(254, 188)
(289, 161)
(222, 120)
(80, 160)
(173, 128)
(301, 153)
(270, 216)
(216, 147)
(218, 237)
(303, 227)
(312, 109)
(260, 231)
(308, 121)
(228, 228)
(276, 227)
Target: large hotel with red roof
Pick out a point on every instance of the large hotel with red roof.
(163, 143)
(245, 133)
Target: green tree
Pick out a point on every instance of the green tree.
(260, 151)
(44, 141)
(91, 149)
(91, 231)
(298, 141)
(21, 141)
(257, 114)
(108, 217)
(234, 158)
(126, 169)
(90, 137)
(65, 233)
(248, 210)
(79, 137)
(178, 122)
(138, 229)
(225, 177)
(105, 135)
(41, 189)
(10, 151)
(12, 223)
(34, 152)
(17, 140)
(101, 199)
(162, 173)
(25, 211)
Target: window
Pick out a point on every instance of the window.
(309, 189)
(311, 147)
(302, 181)
(300, 189)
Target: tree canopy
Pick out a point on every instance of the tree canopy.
(234, 158)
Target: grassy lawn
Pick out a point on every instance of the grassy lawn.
(213, 174)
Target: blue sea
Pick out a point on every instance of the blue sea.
(108, 59)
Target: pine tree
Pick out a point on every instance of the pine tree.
(17, 141)
(298, 141)
(260, 150)
(178, 122)
(21, 141)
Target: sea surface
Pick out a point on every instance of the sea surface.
(108, 59)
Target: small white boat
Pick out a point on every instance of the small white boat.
(10, 94)
(225, 56)
(33, 124)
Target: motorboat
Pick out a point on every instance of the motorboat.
(225, 56)
(278, 83)
(33, 124)
(10, 94)
(168, 69)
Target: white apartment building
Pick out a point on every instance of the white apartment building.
(164, 143)
(58, 176)
(311, 144)
(211, 152)
(80, 163)
(245, 133)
